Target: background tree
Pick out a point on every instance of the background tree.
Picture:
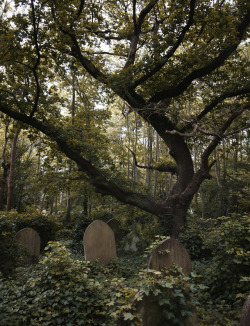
(157, 56)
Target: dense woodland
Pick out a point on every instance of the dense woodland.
(136, 110)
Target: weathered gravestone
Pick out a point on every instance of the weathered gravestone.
(131, 241)
(29, 239)
(163, 256)
(152, 313)
(245, 315)
(99, 243)
(170, 251)
(115, 225)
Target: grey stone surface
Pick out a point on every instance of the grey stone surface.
(30, 240)
(245, 314)
(99, 243)
(168, 252)
(131, 241)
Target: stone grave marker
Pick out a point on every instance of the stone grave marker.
(245, 315)
(131, 242)
(29, 239)
(151, 312)
(99, 242)
(168, 252)
(115, 225)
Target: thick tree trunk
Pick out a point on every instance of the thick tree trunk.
(179, 219)
(188, 181)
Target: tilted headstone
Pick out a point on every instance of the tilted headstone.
(168, 252)
(29, 239)
(245, 315)
(131, 242)
(99, 243)
(115, 225)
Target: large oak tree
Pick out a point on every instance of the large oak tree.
(157, 56)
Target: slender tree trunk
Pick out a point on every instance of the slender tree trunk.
(135, 175)
(69, 199)
(51, 205)
(89, 207)
(128, 153)
(12, 171)
(5, 167)
(67, 219)
(217, 168)
(156, 158)
(55, 205)
(150, 157)
(224, 160)
(39, 145)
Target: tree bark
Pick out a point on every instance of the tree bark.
(69, 200)
(12, 171)
(5, 167)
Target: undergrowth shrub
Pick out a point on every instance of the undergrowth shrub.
(172, 292)
(228, 238)
(9, 250)
(192, 239)
(225, 270)
(61, 290)
(46, 226)
(65, 233)
(78, 233)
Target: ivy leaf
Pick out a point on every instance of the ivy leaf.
(129, 316)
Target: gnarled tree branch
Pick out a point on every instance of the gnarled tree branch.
(159, 167)
(172, 50)
(205, 70)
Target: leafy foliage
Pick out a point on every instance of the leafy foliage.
(61, 288)
(79, 230)
(179, 67)
(229, 240)
(220, 249)
(8, 247)
(46, 226)
(171, 291)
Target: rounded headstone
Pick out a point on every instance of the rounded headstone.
(99, 242)
(30, 240)
(168, 252)
(245, 315)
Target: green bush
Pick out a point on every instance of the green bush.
(61, 290)
(172, 292)
(64, 233)
(229, 240)
(58, 291)
(192, 239)
(9, 250)
(46, 226)
(79, 230)
(225, 271)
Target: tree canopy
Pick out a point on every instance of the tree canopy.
(182, 66)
